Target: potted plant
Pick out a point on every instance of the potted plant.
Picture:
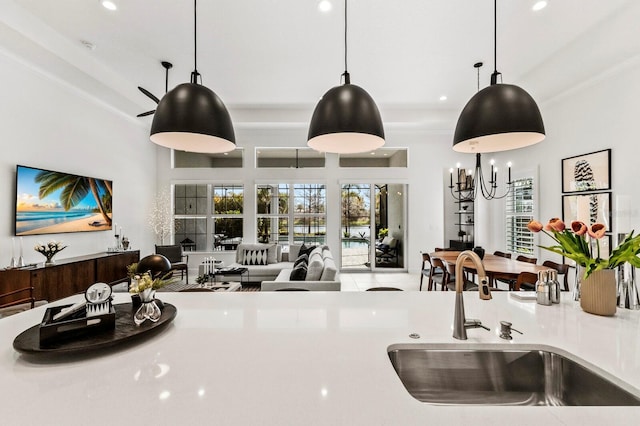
(581, 243)
(383, 232)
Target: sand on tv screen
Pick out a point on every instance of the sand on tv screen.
(49, 202)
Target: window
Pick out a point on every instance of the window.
(382, 157)
(184, 160)
(296, 158)
(519, 211)
(208, 217)
(291, 213)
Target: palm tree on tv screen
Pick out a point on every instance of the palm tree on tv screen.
(75, 189)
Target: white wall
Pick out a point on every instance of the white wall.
(429, 154)
(603, 114)
(46, 124)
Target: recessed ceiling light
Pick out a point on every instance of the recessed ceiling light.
(373, 153)
(443, 98)
(325, 6)
(539, 5)
(108, 5)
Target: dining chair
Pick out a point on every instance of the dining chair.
(425, 269)
(467, 284)
(179, 261)
(522, 258)
(509, 280)
(562, 268)
(384, 289)
(502, 254)
(20, 296)
(441, 277)
(525, 281)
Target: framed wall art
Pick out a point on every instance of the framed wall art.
(587, 172)
(587, 208)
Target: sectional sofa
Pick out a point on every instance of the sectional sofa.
(271, 267)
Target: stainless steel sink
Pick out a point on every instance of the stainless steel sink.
(505, 376)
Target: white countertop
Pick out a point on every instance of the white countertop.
(302, 359)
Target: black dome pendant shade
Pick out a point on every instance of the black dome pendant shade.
(499, 117)
(191, 117)
(346, 120)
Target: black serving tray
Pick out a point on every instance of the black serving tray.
(125, 331)
(53, 332)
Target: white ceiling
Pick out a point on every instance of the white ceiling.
(270, 60)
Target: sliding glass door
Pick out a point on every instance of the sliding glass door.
(372, 226)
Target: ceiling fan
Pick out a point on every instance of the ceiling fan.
(167, 66)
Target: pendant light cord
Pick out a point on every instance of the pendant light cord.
(494, 76)
(195, 74)
(347, 79)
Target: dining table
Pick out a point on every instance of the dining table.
(494, 266)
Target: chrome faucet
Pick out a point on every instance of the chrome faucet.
(460, 323)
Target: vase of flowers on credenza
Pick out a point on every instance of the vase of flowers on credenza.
(49, 250)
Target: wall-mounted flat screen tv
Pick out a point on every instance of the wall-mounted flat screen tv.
(49, 202)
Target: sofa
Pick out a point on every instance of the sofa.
(258, 270)
(267, 264)
(315, 271)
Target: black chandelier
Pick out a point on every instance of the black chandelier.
(469, 182)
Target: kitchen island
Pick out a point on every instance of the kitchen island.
(302, 359)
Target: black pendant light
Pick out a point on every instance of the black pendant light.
(191, 117)
(498, 118)
(346, 120)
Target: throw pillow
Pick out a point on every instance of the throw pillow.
(314, 268)
(299, 273)
(255, 257)
(294, 251)
(301, 259)
(306, 250)
(329, 271)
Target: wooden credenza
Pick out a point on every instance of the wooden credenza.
(69, 276)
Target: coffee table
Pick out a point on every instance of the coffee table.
(240, 272)
(230, 286)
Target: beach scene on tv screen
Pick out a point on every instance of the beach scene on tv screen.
(51, 202)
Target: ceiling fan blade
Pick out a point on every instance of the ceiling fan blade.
(144, 114)
(149, 94)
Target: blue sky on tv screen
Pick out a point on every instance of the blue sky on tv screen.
(28, 199)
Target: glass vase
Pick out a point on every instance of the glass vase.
(579, 277)
(148, 309)
(49, 260)
(628, 295)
